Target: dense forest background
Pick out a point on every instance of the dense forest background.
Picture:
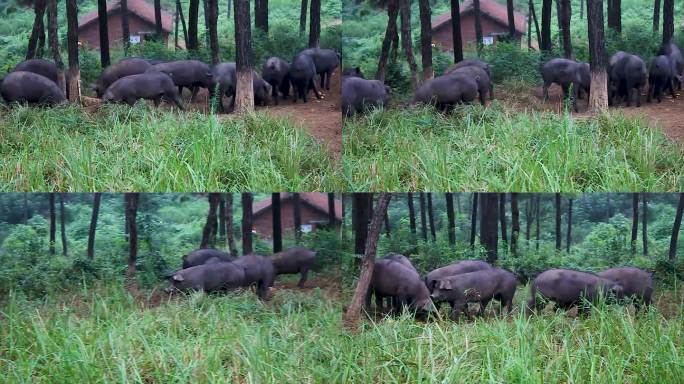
(365, 22)
(600, 232)
(283, 39)
(169, 226)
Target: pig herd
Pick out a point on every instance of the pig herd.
(474, 281)
(470, 79)
(211, 270)
(35, 81)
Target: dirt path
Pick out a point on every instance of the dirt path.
(322, 118)
(667, 115)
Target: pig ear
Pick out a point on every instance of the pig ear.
(178, 277)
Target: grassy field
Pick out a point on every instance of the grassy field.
(105, 335)
(497, 149)
(143, 149)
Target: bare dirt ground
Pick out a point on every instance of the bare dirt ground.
(667, 115)
(321, 118)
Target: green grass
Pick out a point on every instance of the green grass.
(105, 335)
(477, 149)
(143, 149)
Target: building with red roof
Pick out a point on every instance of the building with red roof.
(141, 23)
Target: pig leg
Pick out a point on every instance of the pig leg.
(180, 90)
(304, 273)
(176, 100)
(130, 101)
(262, 290)
(313, 86)
(322, 80)
(483, 306)
(547, 84)
(157, 101)
(194, 93)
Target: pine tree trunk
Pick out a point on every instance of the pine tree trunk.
(26, 209)
(221, 219)
(546, 44)
(53, 224)
(529, 218)
(302, 17)
(125, 31)
(502, 218)
(635, 221)
(489, 206)
(569, 239)
(536, 22)
(598, 100)
(515, 224)
(230, 238)
(193, 19)
(392, 12)
(615, 15)
(53, 40)
(244, 97)
(423, 217)
(315, 24)
(352, 314)
(38, 28)
(538, 215)
(209, 231)
(511, 19)
(103, 32)
(407, 42)
(478, 26)
(277, 226)
(362, 206)
(261, 17)
(388, 229)
(675, 228)
(62, 224)
(566, 15)
(456, 37)
(332, 219)
(246, 213)
(582, 9)
(656, 16)
(131, 213)
(74, 74)
(157, 20)
(426, 39)
(93, 225)
(182, 20)
(412, 214)
(558, 221)
(451, 218)
(213, 31)
(644, 222)
(297, 216)
(668, 21)
(431, 217)
(473, 221)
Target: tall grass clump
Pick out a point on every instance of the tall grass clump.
(103, 334)
(492, 149)
(144, 149)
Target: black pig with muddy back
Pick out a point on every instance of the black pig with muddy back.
(476, 287)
